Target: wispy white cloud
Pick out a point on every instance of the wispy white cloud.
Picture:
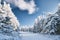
(29, 6)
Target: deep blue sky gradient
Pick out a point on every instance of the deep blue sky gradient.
(43, 5)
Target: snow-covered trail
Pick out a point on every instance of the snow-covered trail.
(35, 36)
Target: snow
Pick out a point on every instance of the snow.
(5, 37)
(9, 25)
(30, 36)
(36, 36)
(48, 24)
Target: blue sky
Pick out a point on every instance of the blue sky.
(43, 6)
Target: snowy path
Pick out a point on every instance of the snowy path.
(32, 36)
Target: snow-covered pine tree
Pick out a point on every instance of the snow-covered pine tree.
(38, 25)
(8, 21)
(51, 23)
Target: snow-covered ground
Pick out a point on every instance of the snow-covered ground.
(36, 36)
(30, 36)
(5, 37)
